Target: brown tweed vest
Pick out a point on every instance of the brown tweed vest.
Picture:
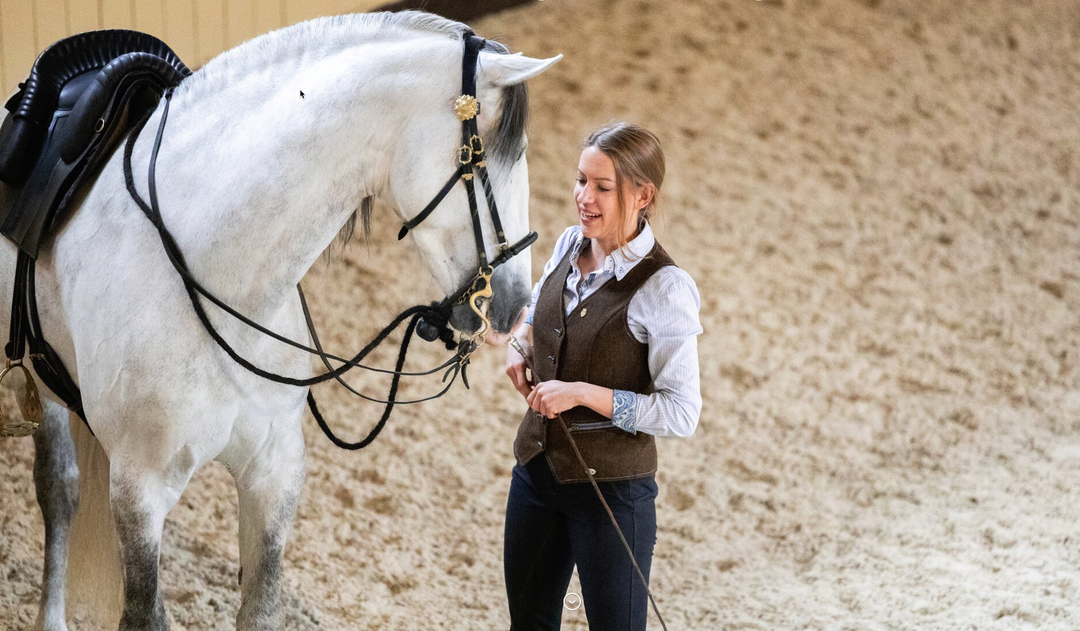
(593, 344)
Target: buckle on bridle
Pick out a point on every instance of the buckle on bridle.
(465, 154)
(474, 148)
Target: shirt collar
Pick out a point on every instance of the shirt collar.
(624, 259)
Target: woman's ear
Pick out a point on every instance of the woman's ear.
(644, 195)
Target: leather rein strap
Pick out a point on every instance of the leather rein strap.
(431, 321)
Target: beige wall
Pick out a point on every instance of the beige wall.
(196, 29)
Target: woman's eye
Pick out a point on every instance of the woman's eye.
(604, 189)
(581, 180)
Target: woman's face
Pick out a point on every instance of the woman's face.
(598, 201)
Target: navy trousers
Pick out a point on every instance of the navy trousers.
(550, 527)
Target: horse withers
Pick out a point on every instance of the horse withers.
(254, 182)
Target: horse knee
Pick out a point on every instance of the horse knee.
(56, 483)
(139, 505)
(56, 474)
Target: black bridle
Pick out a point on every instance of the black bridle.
(430, 321)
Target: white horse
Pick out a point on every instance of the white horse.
(254, 183)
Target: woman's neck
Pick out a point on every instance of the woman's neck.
(601, 248)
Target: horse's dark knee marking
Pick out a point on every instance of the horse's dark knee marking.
(56, 484)
(143, 608)
(56, 480)
(261, 607)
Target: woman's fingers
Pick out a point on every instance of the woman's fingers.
(540, 403)
(519, 379)
(521, 382)
(515, 369)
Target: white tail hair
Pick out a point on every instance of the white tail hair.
(95, 576)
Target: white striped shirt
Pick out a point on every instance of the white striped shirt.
(662, 313)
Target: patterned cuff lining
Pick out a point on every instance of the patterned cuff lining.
(624, 410)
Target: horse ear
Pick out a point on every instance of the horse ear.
(499, 71)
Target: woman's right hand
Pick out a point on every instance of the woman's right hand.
(515, 363)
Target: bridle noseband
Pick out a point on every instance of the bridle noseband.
(430, 321)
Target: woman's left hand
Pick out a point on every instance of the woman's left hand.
(554, 397)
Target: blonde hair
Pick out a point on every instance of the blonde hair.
(638, 160)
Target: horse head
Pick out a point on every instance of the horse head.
(432, 149)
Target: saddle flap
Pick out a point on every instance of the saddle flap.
(20, 145)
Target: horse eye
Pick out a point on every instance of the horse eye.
(522, 154)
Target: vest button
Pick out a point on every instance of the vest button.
(551, 358)
(592, 471)
(558, 331)
(540, 442)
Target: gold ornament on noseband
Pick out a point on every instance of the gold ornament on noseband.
(466, 107)
(480, 291)
(29, 406)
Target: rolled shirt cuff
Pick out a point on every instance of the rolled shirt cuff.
(624, 410)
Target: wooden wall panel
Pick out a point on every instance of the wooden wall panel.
(50, 22)
(180, 29)
(239, 21)
(269, 16)
(116, 14)
(17, 46)
(82, 16)
(299, 11)
(148, 16)
(209, 30)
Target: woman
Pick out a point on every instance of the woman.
(612, 339)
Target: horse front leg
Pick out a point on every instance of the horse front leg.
(268, 484)
(56, 480)
(142, 492)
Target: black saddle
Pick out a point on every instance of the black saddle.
(67, 115)
(80, 98)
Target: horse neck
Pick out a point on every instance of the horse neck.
(255, 181)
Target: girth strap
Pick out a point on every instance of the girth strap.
(26, 329)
